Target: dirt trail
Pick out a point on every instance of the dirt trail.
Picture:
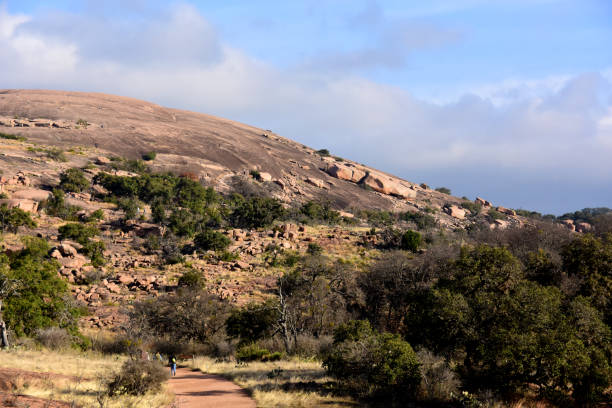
(195, 389)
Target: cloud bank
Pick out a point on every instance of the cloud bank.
(541, 144)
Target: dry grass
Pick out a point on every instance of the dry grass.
(293, 383)
(84, 387)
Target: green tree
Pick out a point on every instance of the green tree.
(13, 218)
(211, 240)
(73, 180)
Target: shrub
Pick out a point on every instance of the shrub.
(323, 152)
(252, 322)
(256, 212)
(192, 279)
(149, 156)
(411, 240)
(253, 352)
(438, 381)
(78, 232)
(13, 218)
(137, 377)
(56, 154)
(321, 212)
(82, 122)
(211, 240)
(56, 206)
(495, 215)
(422, 221)
(12, 137)
(314, 249)
(443, 190)
(73, 180)
(54, 338)
(97, 215)
(227, 256)
(378, 363)
(474, 208)
(130, 207)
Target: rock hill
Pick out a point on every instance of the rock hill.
(210, 148)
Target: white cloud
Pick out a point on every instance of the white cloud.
(554, 127)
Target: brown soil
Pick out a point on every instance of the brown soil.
(10, 400)
(10, 378)
(195, 389)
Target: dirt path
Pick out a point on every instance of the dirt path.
(195, 389)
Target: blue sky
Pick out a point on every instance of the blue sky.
(509, 100)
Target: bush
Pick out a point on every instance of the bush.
(320, 212)
(56, 154)
(137, 377)
(211, 240)
(422, 221)
(411, 240)
(149, 156)
(474, 208)
(54, 338)
(12, 137)
(443, 190)
(252, 322)
(314, 249)
(256, 212)
(253, 352)
(13, 218)
(77, 232)
(382, 364)
(495, 215)
(73, 180)
(192, 279)
(56, 206)
(323, 152)
(439, 382)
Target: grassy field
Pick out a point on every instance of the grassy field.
(293, 383)
(73, 377)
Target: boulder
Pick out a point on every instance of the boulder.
(506, 211)
(263, 176)
(55, 253)
(316, 182)
(343, 172)
(241, 265)
(67, 250)
(23, 204)
(73, 263)
(385, 185)
(583, 227)
(346, 214)
(482, 202)
(455, 211)
(125, 279)
(33, 194)
(500, 224)
(101, 160)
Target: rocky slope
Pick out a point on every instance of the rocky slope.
(211, 148)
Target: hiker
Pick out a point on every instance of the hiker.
(172, 366)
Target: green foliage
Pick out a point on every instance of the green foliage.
(319, 212)
(422, 221)
(97, 215)
(252, 352)
(474, 208)
(323, 152)
(137, 377)
(192, 279)
(82, 122)
(496, 215)
(129, 206)
(73, 180)
(12, 137)
(56, 154)
(13, 218)
(252, 322)
(376, 218)
(42, 299)
(255, 212)
(411, 240)
(314, 249)
(80, 233)
(211, 240)
(149, 156)
(443, 190)
(56, 206)
(382, 364)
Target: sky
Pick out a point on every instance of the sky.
(509, 100)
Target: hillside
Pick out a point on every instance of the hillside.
(212, 148)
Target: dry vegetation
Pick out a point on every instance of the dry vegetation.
(72, 377)
(289, 383)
